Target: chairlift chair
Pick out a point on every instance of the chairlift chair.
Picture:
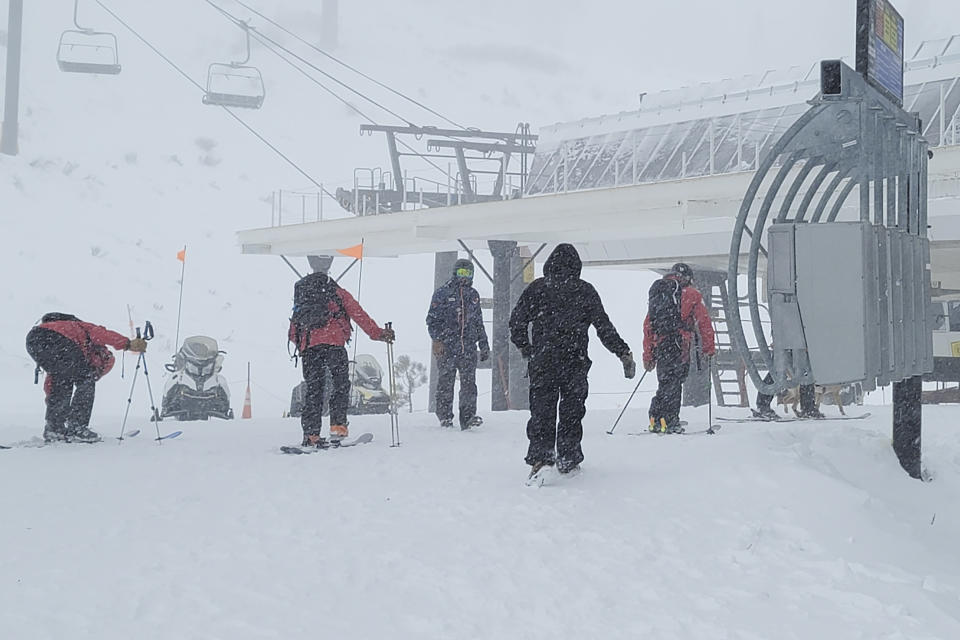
(84, 50)
(235, 84)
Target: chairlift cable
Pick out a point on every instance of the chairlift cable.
(261, 37)
(183, 73)
(348, 66)
(270, 47)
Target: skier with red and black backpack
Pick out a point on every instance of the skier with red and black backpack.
(74, 355)
(320, 329)
(675, 315)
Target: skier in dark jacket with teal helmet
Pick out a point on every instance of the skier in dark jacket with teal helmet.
(455, 324)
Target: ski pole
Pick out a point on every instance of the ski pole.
(155, 415)
(635, 389)
(126, 413)
(394, 417)
(710, 395)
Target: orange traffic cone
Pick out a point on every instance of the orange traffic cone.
(247, 412)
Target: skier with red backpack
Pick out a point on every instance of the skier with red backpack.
(74, 355)
(320, 329)
(675, 315)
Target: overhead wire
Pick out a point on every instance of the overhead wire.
(273, 46)
(329, 55)
(261, 36)
(185, 75)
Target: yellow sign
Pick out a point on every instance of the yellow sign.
(955, 349)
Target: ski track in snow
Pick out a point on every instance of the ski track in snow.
(763, 531)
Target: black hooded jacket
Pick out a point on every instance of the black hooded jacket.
(561, 308)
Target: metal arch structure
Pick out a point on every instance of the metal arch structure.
(857, 140)
(87, 39)
(238, 71)
(852, 138)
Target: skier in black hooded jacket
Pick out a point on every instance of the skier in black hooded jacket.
(561, 307)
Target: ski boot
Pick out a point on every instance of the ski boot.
(82, 434)
(53, 433)
(314, 440)
(766, 413)
(537, 469)
(811, 414)
(475, 421)
(568, 466)
(338, 432)
(446, 423)
(674, 427)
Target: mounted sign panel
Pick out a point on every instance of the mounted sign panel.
(880, 47)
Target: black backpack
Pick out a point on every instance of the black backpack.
(312, 295)
(56, 316)
(664, 307)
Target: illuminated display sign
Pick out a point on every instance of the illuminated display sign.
(880, 46)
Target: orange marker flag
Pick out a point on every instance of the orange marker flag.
(356, 251)
(182, 255)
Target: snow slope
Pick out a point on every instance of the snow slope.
(791, 531)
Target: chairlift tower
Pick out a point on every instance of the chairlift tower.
(11, 110)
(490, 154)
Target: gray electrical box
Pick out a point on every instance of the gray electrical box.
(846, 304)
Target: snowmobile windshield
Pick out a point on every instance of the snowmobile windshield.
(562, 265)
(199, 349)
(368, 371)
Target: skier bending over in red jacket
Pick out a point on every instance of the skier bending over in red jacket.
(74, 355)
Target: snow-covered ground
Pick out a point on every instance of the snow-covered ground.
(786, 531)
(761, 531)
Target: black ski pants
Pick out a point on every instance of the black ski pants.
(317, 360)
(447, 366)
(672, 370)
(72, 379)
(763, 400)
(556, 382)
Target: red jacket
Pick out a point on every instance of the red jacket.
(694, 317)
(338, 330)
(92, 340)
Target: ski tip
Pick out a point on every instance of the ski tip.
(297, 451)
(170, 436)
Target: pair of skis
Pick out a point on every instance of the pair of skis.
(36, 444)
(708, 431)
(782, 420)
(363, 438)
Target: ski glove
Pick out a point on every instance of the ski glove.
(388, 335)
(484, 354)
(629, 366)
(650, 365)
(437, 349)
(137, 345)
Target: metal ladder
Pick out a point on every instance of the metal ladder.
(728, 371)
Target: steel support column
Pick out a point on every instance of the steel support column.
(11, 109)
(504, 253)
(518, 382)
(907, 424)
(442, 271)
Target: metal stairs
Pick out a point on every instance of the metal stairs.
(728, 371)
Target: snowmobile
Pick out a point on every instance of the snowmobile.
(196, 390)
(367, 394)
